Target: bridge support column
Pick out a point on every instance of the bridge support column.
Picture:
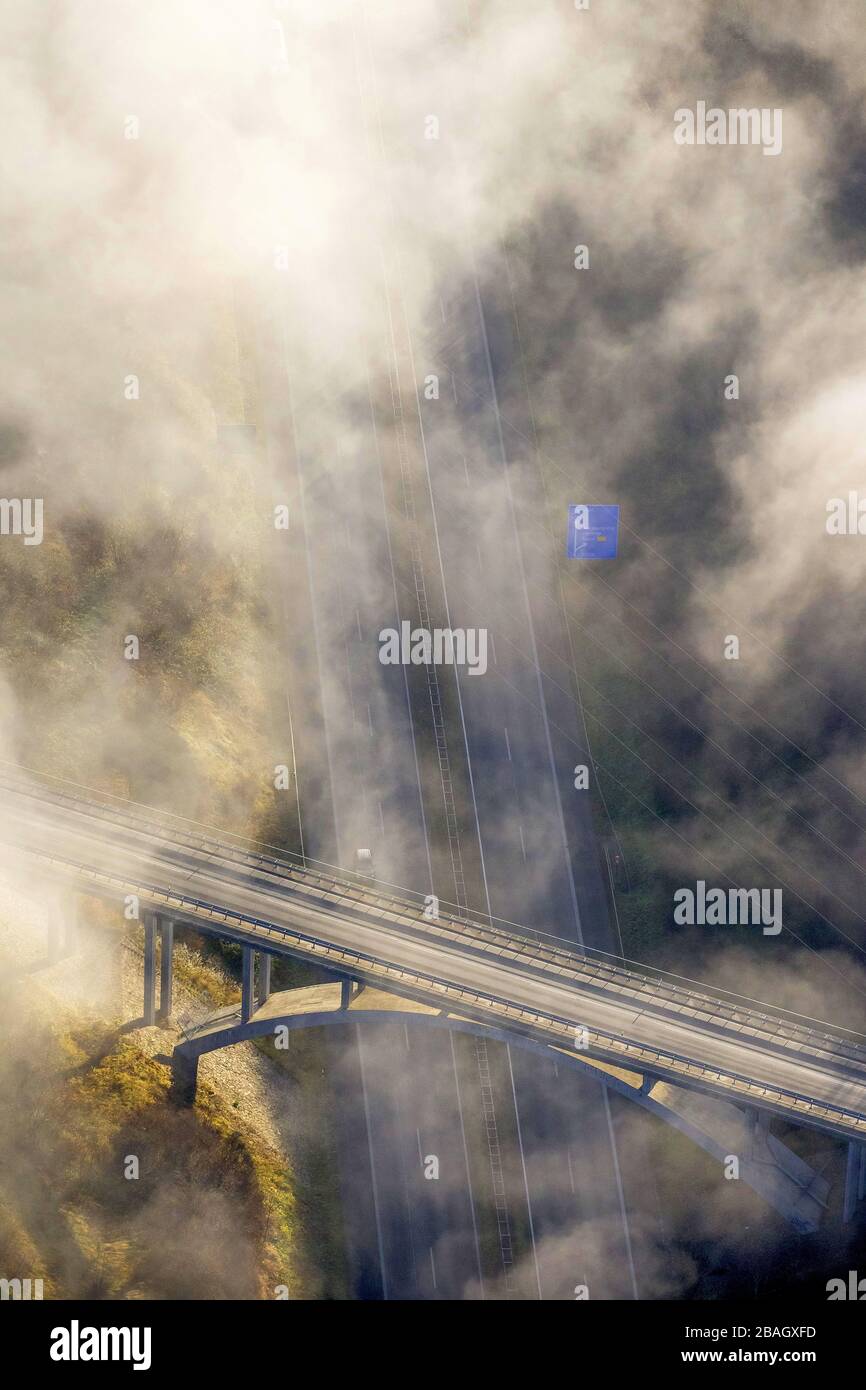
(165, 967)
(345, 993)
(264, 977)
(760, 1130)
(150, 921)
(249, 957)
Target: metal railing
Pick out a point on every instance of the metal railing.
(551, 1027)
(780, 1027)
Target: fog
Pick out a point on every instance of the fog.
(256, 217)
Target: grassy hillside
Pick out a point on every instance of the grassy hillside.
(159, 531)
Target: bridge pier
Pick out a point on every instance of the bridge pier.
(760, 1129)
(350, 988)
(150, 923)
(165, 967)
(264, 977)
(247, 1004)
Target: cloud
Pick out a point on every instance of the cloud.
(239, 205)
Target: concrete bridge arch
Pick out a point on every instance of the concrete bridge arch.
(780, 1177)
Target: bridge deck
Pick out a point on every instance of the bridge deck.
(809, 1071)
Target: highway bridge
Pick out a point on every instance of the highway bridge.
(590, 1008)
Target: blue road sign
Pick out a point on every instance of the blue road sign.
(592, 532)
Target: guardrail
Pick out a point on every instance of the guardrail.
(660, 1060)
(778, 1025)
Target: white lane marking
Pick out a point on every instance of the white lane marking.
(507, 741)
(441, 565)
(433, 1267)
(613, 898)
(466, 1158)
(543, 706)
(309, 567)
(358, 621)
(370, 719)
(297, 779)
(375, 1183)
(621, 1195)
(349, 689)
(525, 1178)
(522, 841)
(570, 1169)
(410, 720)
(518, 549)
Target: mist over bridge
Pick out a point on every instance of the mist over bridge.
(650, 1035)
